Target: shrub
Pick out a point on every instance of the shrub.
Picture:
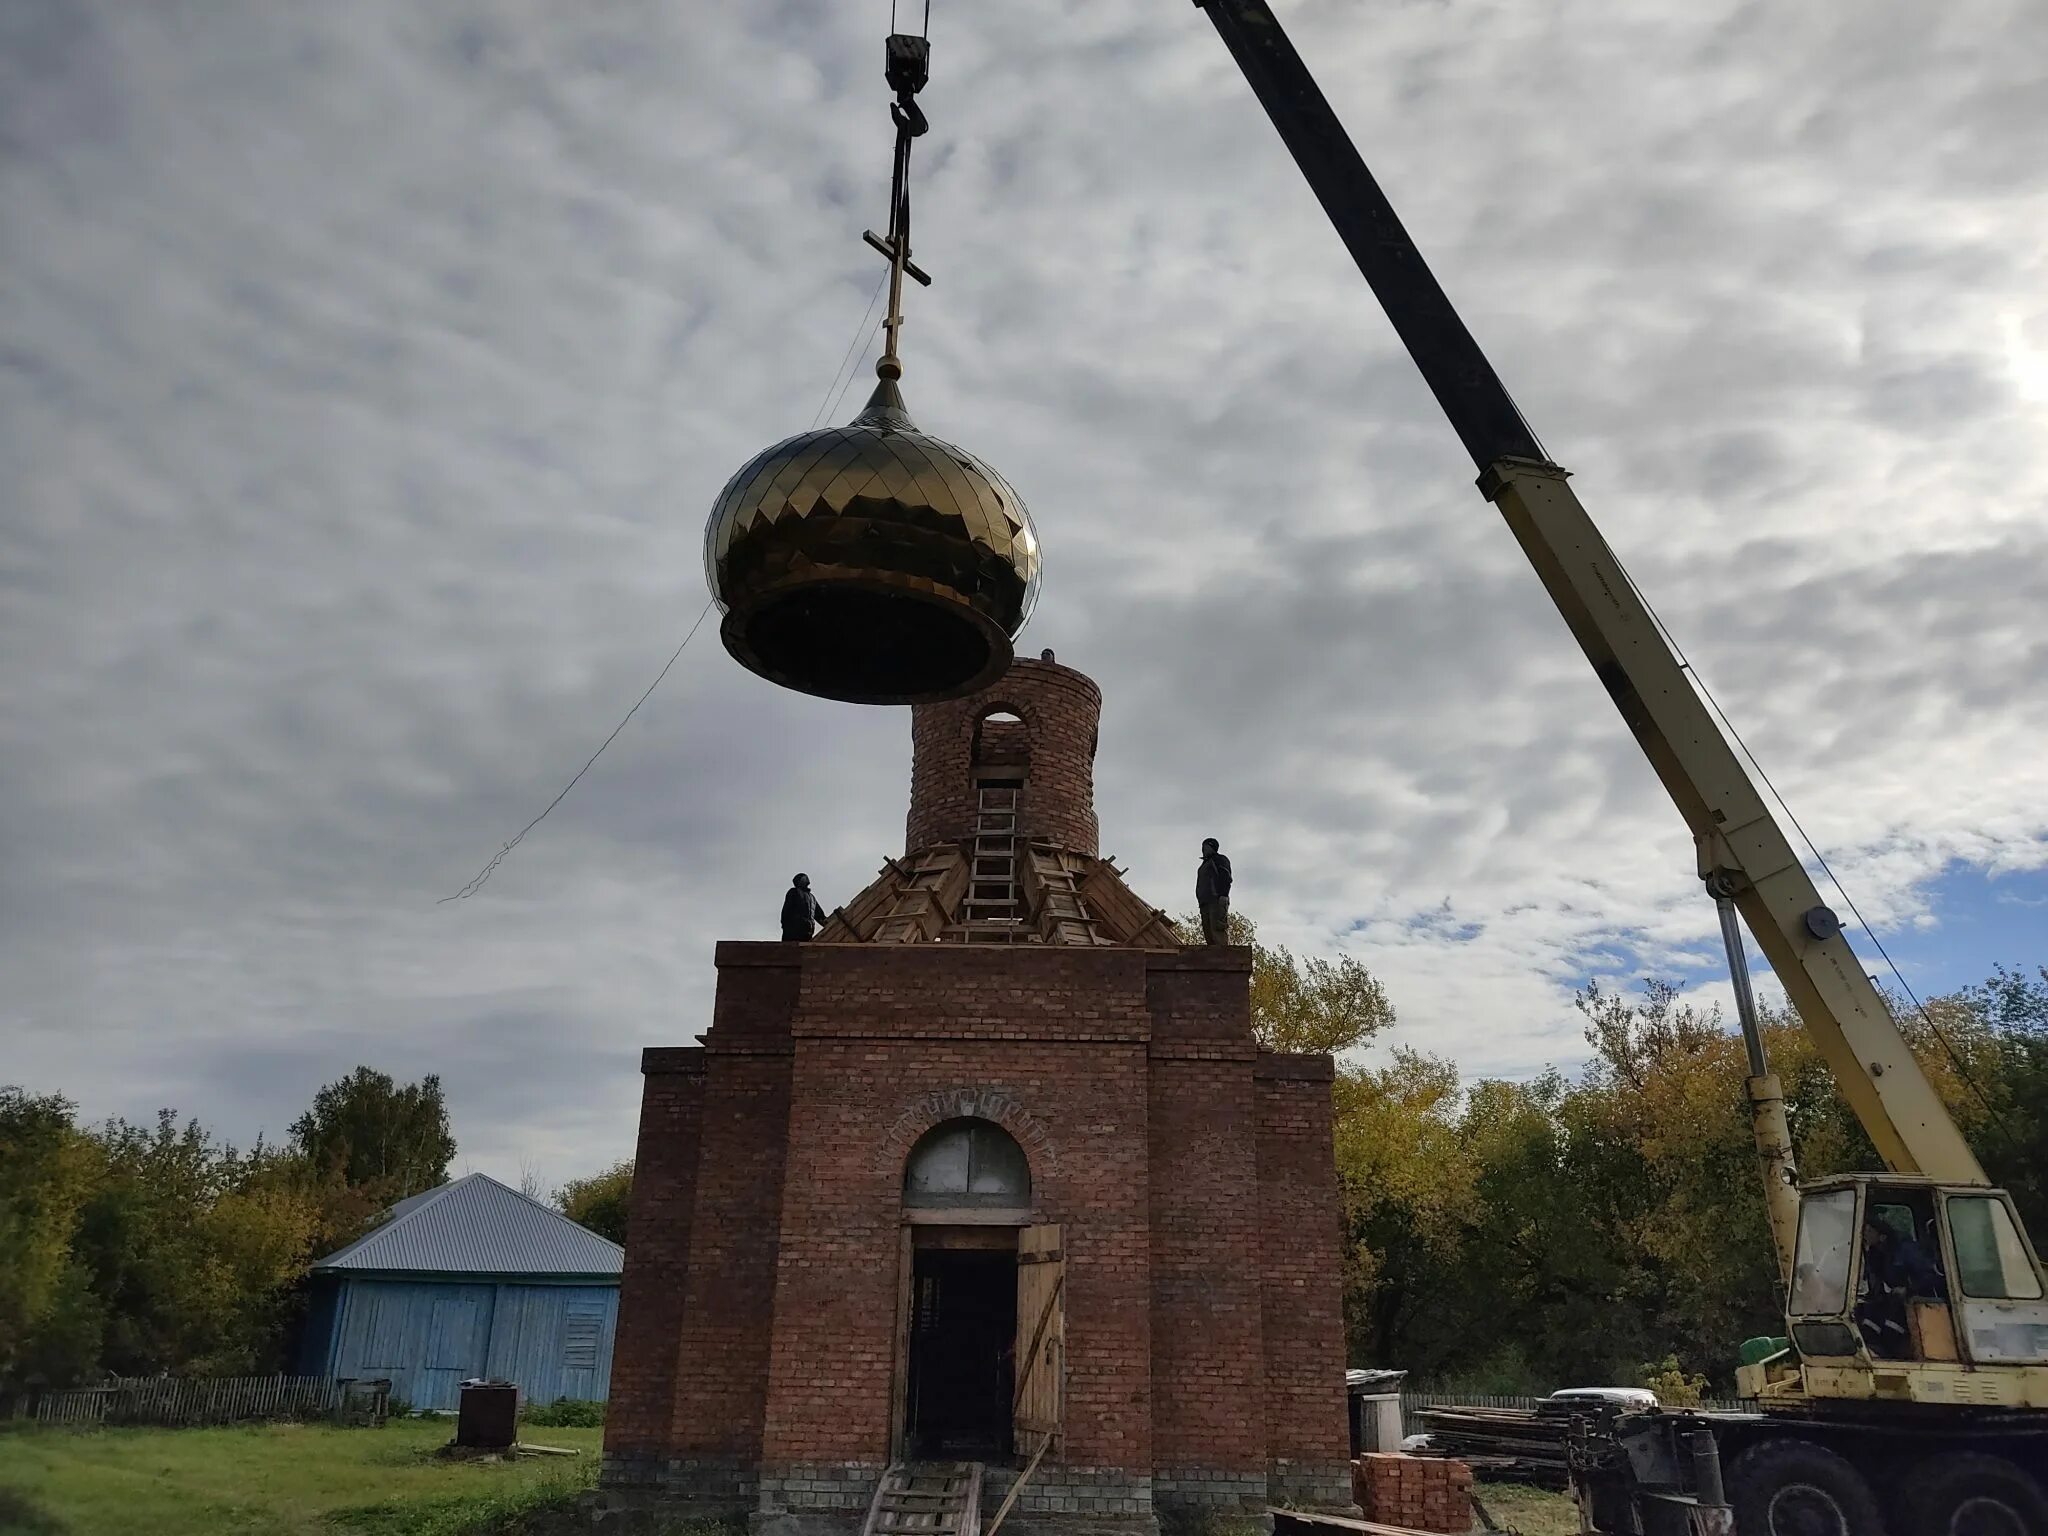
(566, 1413)
(1675, 1387)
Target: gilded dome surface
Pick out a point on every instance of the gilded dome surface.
(871, 562)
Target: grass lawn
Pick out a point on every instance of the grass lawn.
(1532, 1511)
(271, 1480)
(307, 1480)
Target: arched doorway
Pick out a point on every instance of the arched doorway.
(963, 1327)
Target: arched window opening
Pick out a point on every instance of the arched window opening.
(1001, 737)
(967, 1164)
(1002, 767)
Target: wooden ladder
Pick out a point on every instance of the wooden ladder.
(917, 912)
(1063, 917)
(927, 1499)
(991, 907)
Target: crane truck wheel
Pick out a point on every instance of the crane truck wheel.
(1977, 1495)
(1797, 1488)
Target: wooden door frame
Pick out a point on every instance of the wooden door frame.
(899, 1385)
(932, 1224)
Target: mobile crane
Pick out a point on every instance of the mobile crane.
(1896, 1409)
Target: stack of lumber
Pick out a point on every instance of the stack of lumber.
(1516, 1443)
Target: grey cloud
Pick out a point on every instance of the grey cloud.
(364, 379)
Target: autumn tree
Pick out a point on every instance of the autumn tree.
(2009, 1092)
(1664, 1109)
(1308, 1005)
(159, 1247)
(600, 1202)
(192, 1248)
(1408, 1187)
(47, 1172)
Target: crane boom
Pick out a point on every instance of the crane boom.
(1743, 852)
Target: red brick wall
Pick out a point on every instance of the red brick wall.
(1061, 710)
(1302, 1272)
(658, 1257)
(941, 992)
(1192, 1175)
(1208, 1414)
(884, 1037)
(728, 1301)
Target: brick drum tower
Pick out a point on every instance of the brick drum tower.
(989, 1181)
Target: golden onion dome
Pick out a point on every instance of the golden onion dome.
(871, 563)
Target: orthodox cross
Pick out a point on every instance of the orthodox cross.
(909, 66)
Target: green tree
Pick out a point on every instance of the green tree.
(1664, 1103)
(1551, 1261)
(1309, 1005)
(142, 1237)
(601, 1201)
(1563, 1231)
(387, 1141)
(194, 1251)
(142, 1248)
(63, 1346)
(47, 1172)
(262, 1231)
(2011, 1090)
(1409, 1202)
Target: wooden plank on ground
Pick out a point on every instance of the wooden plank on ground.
(1303, 1523)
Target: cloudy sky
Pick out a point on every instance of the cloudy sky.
(366, 373)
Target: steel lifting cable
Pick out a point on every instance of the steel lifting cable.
(927, 32)
(910, 122)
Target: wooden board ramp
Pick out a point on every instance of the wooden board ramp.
(927, 1499)
(1294, 1522)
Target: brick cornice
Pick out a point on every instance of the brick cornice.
(672, 1060)
(735, 954)
(1201, 957)
(1202, 1050)
(1294, 1067)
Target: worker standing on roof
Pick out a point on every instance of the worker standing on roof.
(1212, 893)
(801, 915)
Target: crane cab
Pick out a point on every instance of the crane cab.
(1908, 1289)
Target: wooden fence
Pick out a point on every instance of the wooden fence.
(1411, 1401)
(190, 1400)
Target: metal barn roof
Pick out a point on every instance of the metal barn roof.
(477, 1226)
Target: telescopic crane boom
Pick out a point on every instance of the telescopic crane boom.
(1743, 854)
(1911, 1391)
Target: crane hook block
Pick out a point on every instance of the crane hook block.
(909, 63)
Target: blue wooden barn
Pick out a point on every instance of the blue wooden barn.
(469, 1280)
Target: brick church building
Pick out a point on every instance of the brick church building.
(991, 1172)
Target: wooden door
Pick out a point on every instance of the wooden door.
(1041, 1339)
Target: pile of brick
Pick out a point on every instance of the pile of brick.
(1422, 1493)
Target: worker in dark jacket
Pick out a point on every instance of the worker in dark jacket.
(1212, 893)
(801, 915)
(1896, 1271)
